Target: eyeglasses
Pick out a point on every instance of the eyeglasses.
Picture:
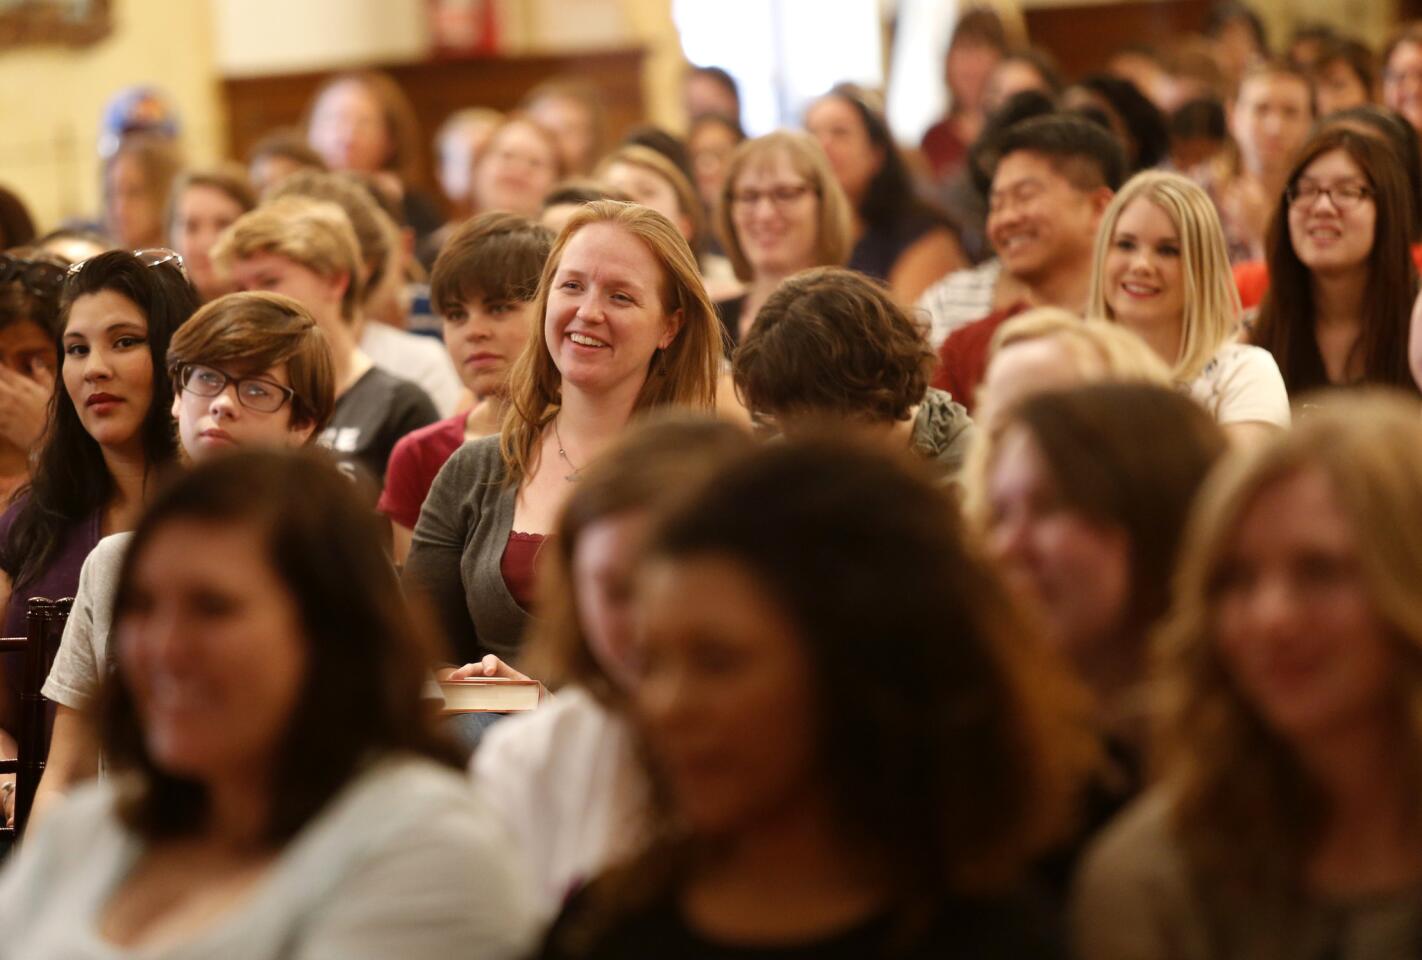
(254, 393)
(779, 197)
(148, 257)
(1343, 196)
(39, 278)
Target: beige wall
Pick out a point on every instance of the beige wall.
(52, 99)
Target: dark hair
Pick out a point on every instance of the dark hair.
(856, 548)
(984, 152)
(33, 302)
(1104, 450)
(402, 125)
(1081, 151)
(980, 25)
(1285, 325)
(288, 143)
(1143, 119)
(890, 196)
(726, 81)
(365, 666)
(1225, 12)
(17, 227)
(81, 234)
(667, 144)
(1041, 61)
(1356, 56)
(495, 256)
(1201, 117)
(832, 342)
(717, 120)
(1401, 135)
(657, 462)
(580, 191)
(70, 479)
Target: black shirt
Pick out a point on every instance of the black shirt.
(370, 417)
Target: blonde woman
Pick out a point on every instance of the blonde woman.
(1161, 269)
(1289, 743)
(625, 327)
(781, 211)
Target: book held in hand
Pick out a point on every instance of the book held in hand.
(489, 695)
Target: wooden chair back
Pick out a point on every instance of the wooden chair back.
(44, 626)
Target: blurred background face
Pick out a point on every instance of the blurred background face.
(1074, 569)
(26, 346)
(604, 562)
(1402, 82)
(133, 214)
(202, 213)
(1270, 121)
(711, 145)
(348, 129)
(572, 127)
(1295, 622)
(837, 125)
(212, 648)
(775, 212)
(458, 153)
(518, 168)
(646, 186)
(1328, 234)
(705, 95)
(1011, 77)
(1336, 87)
(966, 70)
(725, 699)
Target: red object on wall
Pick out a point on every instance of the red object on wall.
(465, 28)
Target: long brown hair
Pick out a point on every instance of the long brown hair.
(684, 374)
(1288, 313)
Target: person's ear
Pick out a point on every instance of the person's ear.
(674, 323)
(1100, 199)
(337, 284)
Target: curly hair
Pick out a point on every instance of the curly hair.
(831, 341)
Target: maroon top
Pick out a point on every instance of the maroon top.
(963, 358)
(519, 565)
(414, 463)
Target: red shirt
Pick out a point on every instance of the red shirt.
(414, 462)
(963, 358)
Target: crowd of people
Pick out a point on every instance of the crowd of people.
(1004, 547)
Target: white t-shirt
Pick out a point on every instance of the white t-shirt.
(1242, 384)
(421, 360)
(566, 780)
(405, 861)
(82, 661)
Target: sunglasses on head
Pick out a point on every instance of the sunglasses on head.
(38, 277)
(150, 257)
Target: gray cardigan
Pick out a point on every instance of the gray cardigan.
(455, 556)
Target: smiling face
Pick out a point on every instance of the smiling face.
(1077, 571)
(775, 213)
(483, 338)
(839, 128)
(108, 367)
(725, 699)
(515, 171)
(1295, 624)
(208, 425)
(1038, 222)
(202, 213)
(1329, 238)
(212, 648)
(1402, 82)
(348, 129)
(1144, 274)
(605, 318)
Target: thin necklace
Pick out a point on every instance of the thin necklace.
(564, 454)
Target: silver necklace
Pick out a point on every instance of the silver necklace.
(571, 477)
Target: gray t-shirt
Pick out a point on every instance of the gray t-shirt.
(406, 861)
(82, 662)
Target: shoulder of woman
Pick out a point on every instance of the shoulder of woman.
(573, 724)
(1135, 850)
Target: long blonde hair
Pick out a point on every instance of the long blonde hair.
(684, 374)
(1244, 810)
(1212, 308)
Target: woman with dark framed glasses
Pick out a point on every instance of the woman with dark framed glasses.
(110, 430)
(29, 310)
(1342, 277)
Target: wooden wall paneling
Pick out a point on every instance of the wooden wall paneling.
(1083, 36)
(437, 88)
